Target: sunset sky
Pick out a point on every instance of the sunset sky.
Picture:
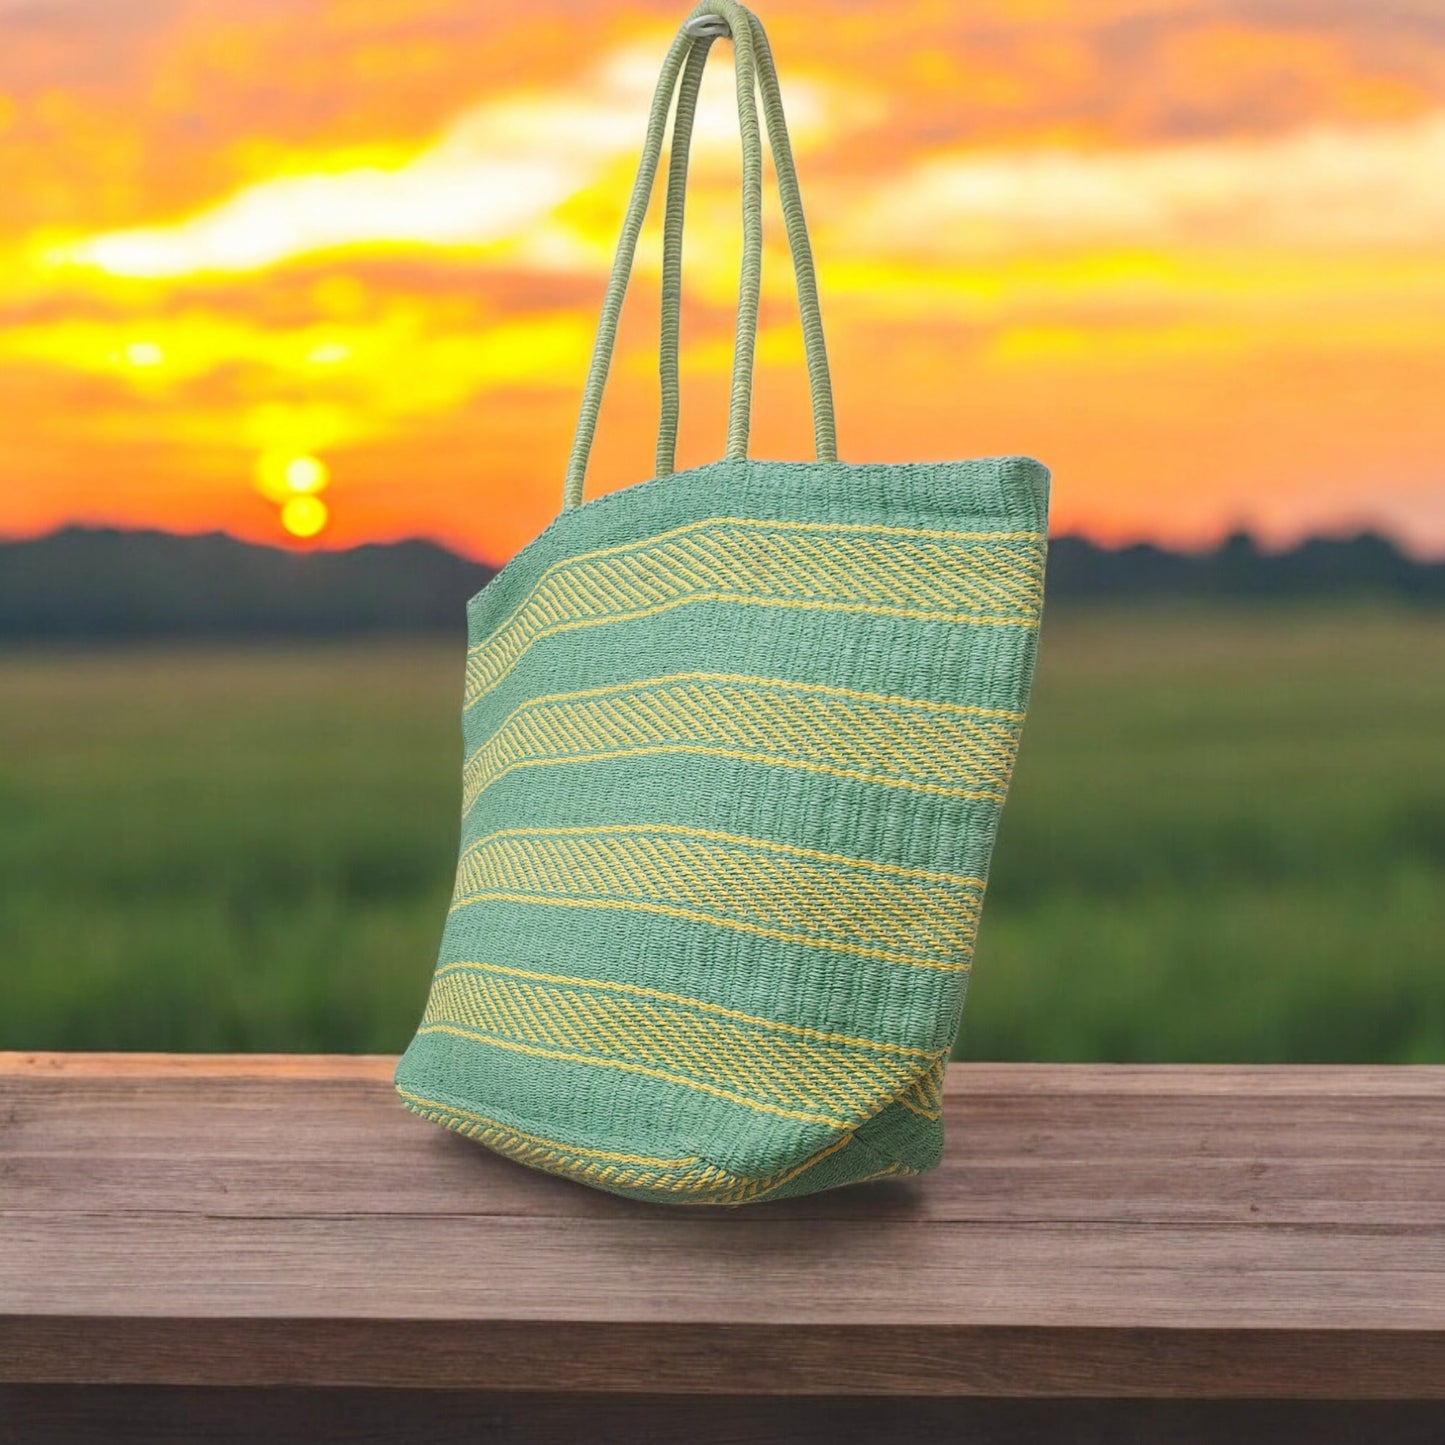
(338, 262)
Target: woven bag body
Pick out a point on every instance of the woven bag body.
(736, 744)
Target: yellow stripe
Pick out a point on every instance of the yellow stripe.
(545, 1142)
(993, 579)
(591, 1166)
(799, 1073)
(890, 1172)
(477, 686)
(934, 789)
(692, 1003)
(694, 916)
(942, 749)
(748, 679)
(852, 905)
(925, 1095)
(776, 1182)
(791, 526)
(708, 1183)
(714, 835)
(628, 1067)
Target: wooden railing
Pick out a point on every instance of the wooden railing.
(207, 1247)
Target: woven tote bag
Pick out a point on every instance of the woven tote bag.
(736, 743)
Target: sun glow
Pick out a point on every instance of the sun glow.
(292, 480)
(144, 353)
(283, 475)
(305, 474)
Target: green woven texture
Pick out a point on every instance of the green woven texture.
(736, 744)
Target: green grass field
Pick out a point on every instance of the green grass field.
(1226, 841)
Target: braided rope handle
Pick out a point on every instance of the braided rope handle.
(753, 61)
(820, 385)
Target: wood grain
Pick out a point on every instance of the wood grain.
(1104, 1232)
(141, 1415)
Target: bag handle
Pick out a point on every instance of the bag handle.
(819, 384)
(753, 59)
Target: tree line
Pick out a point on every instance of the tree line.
(102, 584)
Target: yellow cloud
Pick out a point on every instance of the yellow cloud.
(360, 383)
(1325, 187)
(495, 175)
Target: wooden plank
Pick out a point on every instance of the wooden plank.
(708, 1359)
(1095, 1231)
(1334, 1080)
(67, 1415)
(1379, 1161)
(729, 1271)
(146, 1067)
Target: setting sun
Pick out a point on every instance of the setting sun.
(292, 482)
(304, 516)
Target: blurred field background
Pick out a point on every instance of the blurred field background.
(323, 276)
(1225, 842)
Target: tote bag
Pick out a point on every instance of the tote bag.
(736, 743)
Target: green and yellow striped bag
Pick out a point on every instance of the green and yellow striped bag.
(737, 739)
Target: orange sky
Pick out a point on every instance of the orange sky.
(1189, 254)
